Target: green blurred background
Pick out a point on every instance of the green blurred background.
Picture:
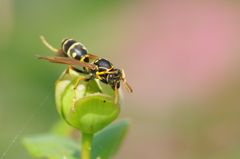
(180, 57)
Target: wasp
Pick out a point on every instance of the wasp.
(74, 53)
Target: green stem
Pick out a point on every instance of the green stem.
(86, 145)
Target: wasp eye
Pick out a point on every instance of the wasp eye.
(111, 76)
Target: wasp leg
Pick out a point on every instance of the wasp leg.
(98, 74)
(126, 85)
(59, 52)
(105, 72)
(101, 79)
(116, 94)
(75, 91)
(59, 80)
(67, 72)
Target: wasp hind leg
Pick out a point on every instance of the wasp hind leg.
(67, 72)
(75, 89)
(76, 85)
(58, 52)
(62, 77)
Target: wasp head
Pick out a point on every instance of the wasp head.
(114, 77)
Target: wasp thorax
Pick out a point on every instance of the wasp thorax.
(103, 64)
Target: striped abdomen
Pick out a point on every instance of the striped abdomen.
(75, 50)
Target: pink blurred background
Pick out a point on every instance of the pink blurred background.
(186, 79)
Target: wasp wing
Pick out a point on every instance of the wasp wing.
(93, 57)
(68, 61)
(61, 53)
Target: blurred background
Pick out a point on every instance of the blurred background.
(182, 59)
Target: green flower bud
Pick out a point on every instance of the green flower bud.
(95, 105)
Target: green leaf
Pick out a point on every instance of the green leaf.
(52, 146)
(107, 142)
(62, 128)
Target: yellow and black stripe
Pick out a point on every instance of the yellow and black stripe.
(75, 50)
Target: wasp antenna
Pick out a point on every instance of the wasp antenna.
(49, 46)
(39, 56)
(41, 37)
(128, 87)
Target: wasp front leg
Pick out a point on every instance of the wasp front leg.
(115, 88)
(116, 94)
(126, 85)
